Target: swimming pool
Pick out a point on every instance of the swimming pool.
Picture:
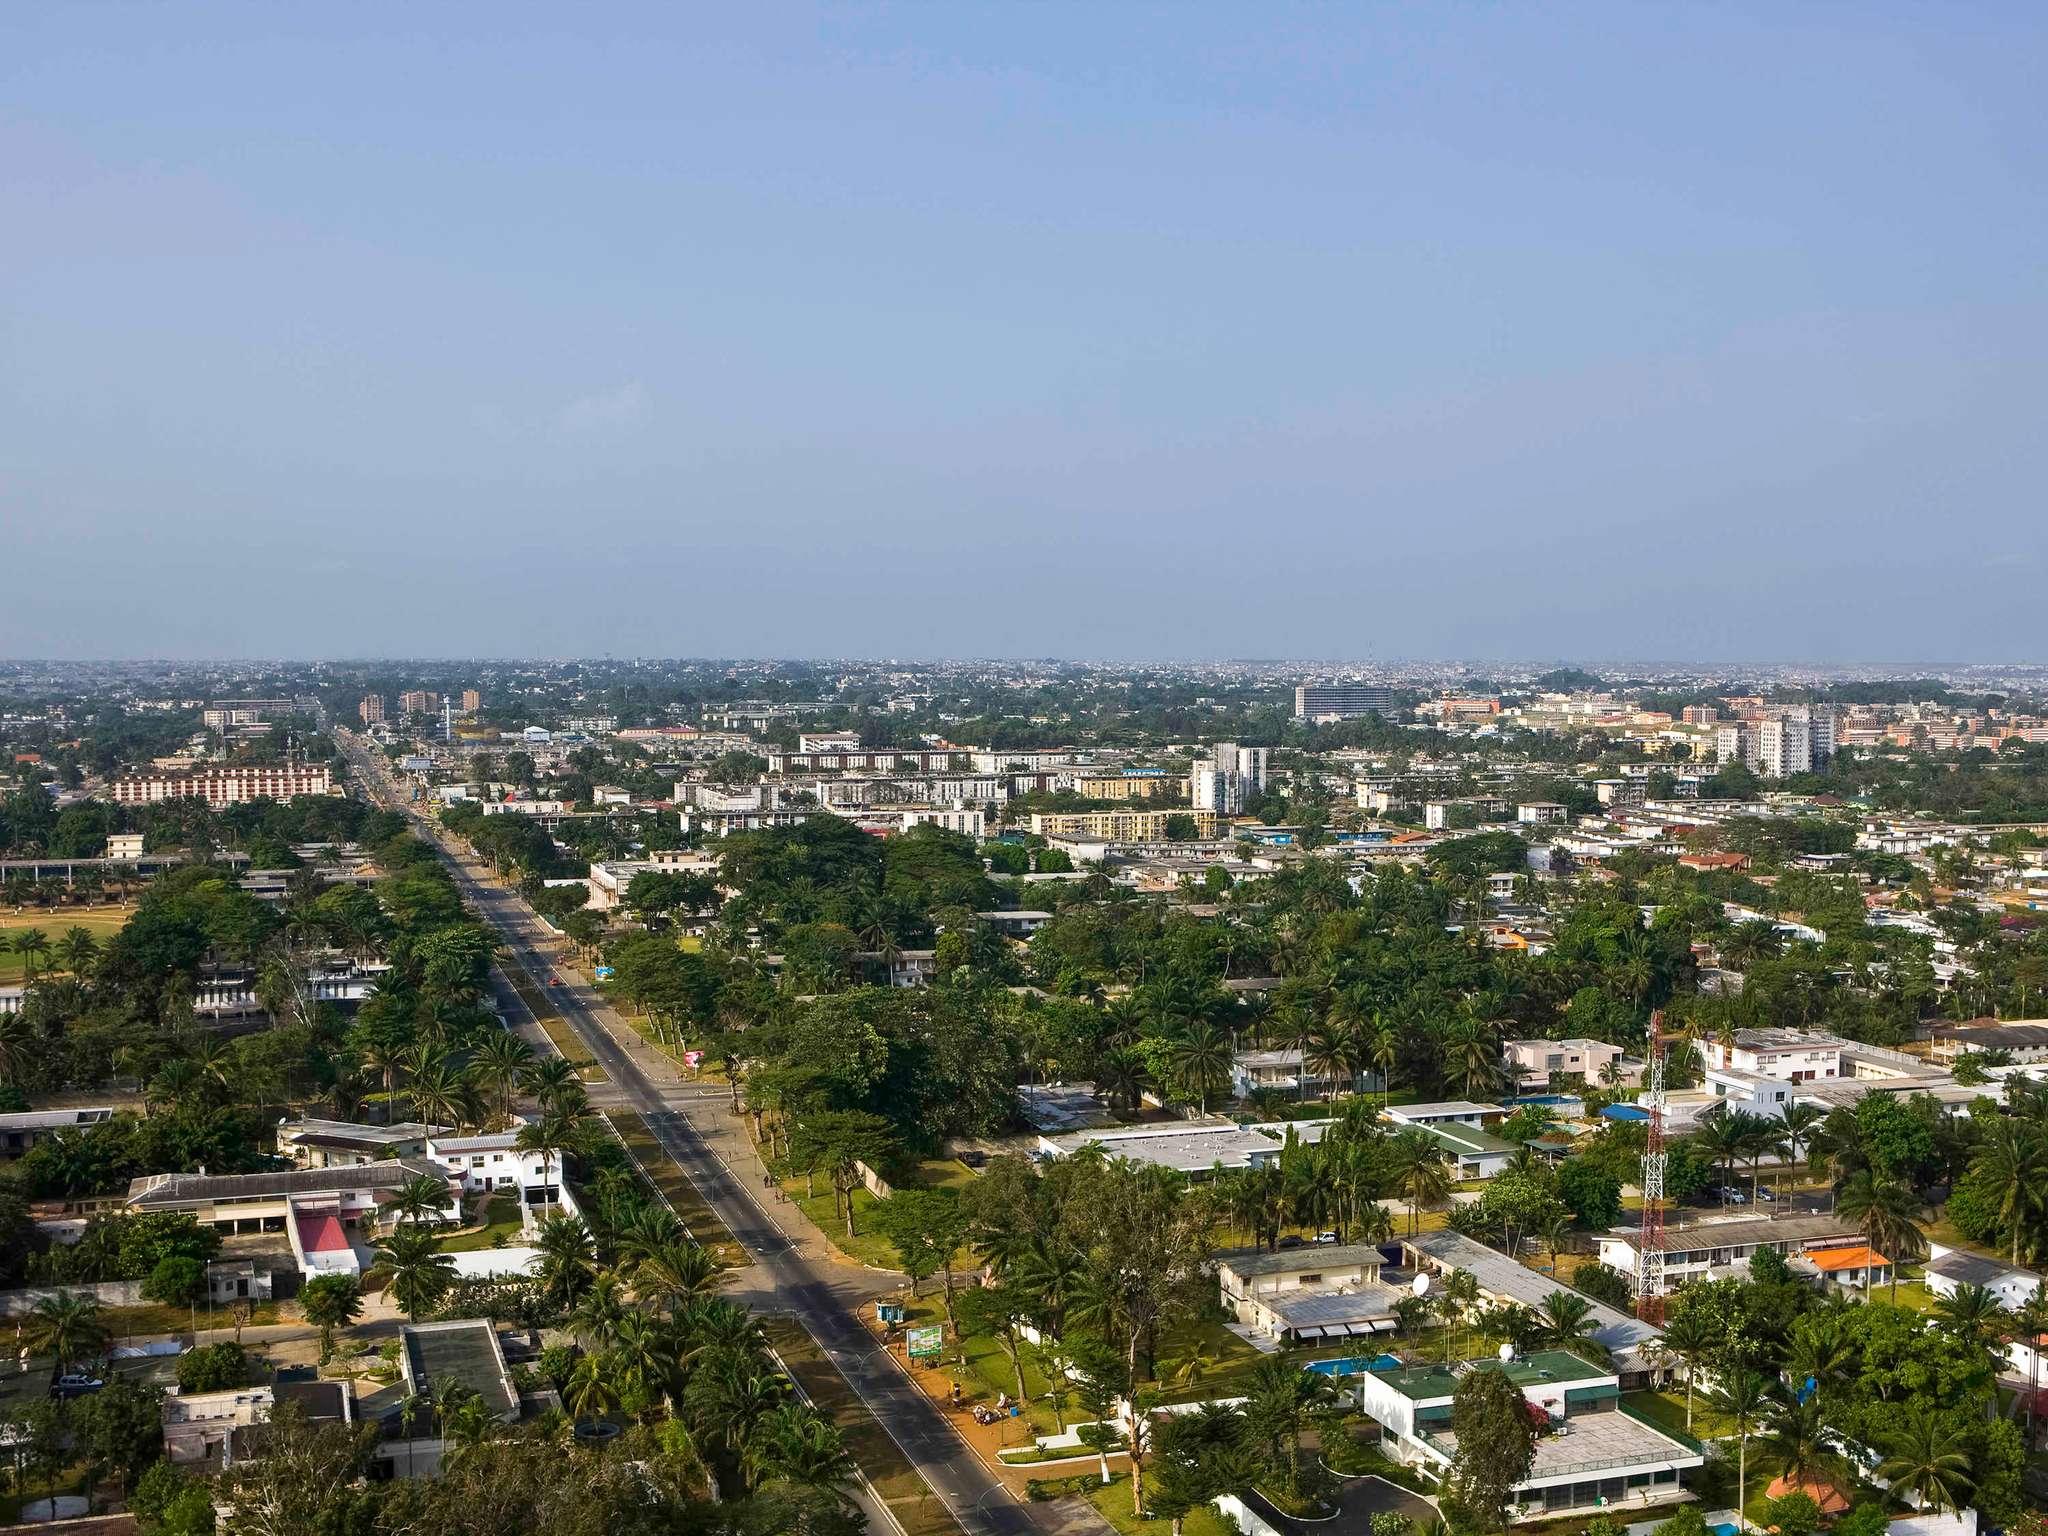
(1724, 1529)
(1544, 1098)
(1356, 1365)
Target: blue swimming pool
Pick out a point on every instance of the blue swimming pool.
(1725, 1529)
(1544, 1098)
(1356, 1365)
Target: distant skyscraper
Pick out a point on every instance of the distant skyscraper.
(472, 701)
(372, 709)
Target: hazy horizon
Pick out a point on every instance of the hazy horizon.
(1087, 332)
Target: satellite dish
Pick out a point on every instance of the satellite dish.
(1507, 1353)
(1419, 1285)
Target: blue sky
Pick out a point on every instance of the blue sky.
(1706, 331)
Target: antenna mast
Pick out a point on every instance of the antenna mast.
(1650, 1243)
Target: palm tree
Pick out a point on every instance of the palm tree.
(419, 1273)
(1201, 1059)
(590, 1394)
(1421, 1173)
(77, 950)
(32, 944)
(66, 1326)
(674, 1272)
(551, 1077)
(1281, 1395)
(793, 1444)
(419, 1197)
(1796, 1437)
(1973, 1313)
(2012, 1165)
(550, 1135)
(1567, 1322)
(567, 1258)
(595, 1319)
(1820, 1353)
(1744, 1398)
(499, 1065)
(1928, 1455)
(1689, 1341)
(1888, 1214)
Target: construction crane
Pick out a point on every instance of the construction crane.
(1650, 1242)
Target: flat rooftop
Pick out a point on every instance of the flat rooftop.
(1306, 1259)
(1425, 1383)
(1338, 1312)
(1609, 1440)
(1448, 1109)
(1187, 1151)
(465, 1352)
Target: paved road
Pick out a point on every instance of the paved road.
(787, 1280)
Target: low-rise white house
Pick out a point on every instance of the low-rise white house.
(1591, 1452)
(1949, 1269)
(1319, 1291)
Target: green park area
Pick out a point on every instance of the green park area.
(101, 922)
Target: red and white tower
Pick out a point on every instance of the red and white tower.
(1650, 1244)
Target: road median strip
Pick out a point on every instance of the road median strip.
(896, 1482)
(660, 1170)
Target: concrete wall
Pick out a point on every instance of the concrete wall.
(110, 1293)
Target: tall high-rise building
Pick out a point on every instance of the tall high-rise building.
(1798, 739)
(372, 709)
(1225, 779)
(419, 701)
(472, 701)
(1344, 701)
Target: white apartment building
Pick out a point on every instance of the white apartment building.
(1227, 777)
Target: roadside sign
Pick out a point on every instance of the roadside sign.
(891, 1312)
(603, 973)
(927, 1342)
(693, 1059)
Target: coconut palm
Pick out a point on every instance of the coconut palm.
(1421, 1173)
(1929, 1455)
(567, 1258)
(1973, 1313)
(499, 1066)
(590, 1393)
(1796, 1438)
(32, 944)
(77, 950)
(1280, 1395)
(674, 1272)
(793, 1444)
(1200, 1057)
(418, 1273)
(1745, 1399)
(419, 1197)
(550, 1136)
(1567, 1322)
(1689, 1341)
(68, 1327)
(1887, 1212)
(2011, 1167)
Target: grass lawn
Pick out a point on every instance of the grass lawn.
(662, 1172)
(101, 922)
(1113, 1500)
(867, 1246)
(573, 1050)
(501, 1219)
(154, 1317)
(1667, 1410)
(1913, 1295)
(909, 1498)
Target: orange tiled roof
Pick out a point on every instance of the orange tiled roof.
(1827, 1260)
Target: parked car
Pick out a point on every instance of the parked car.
(1326, 1237)
(1765, 1192)
(1733, 1197)
(76, 1384)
